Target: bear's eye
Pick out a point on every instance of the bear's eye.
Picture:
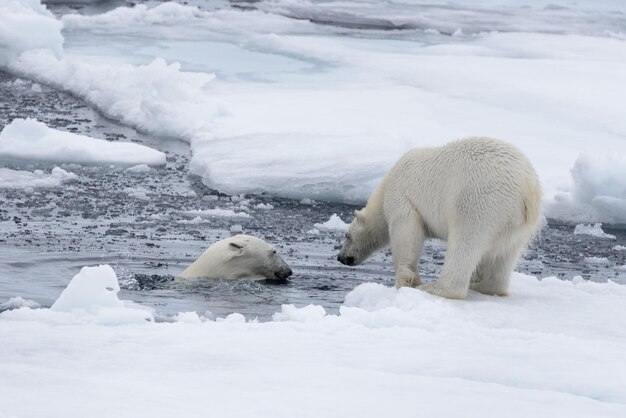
(273, 251)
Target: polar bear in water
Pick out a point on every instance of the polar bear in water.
(237, 257)
(481, 195)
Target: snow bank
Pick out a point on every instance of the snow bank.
(335, 223)
(18, 179)
(26, 25)
(28, 139)
(594, 230)
(534, 353)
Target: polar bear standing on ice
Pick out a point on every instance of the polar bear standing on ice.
(481, 195)
(238, 257)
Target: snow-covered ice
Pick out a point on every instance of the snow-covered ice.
(552, 348)
(325, 115)
(595, 230)
(28, 139)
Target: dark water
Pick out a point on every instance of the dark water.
(136, 223)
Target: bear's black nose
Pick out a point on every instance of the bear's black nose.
(283, 274)
(348, 261)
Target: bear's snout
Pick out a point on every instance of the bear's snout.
(283, 274)
(348, 261)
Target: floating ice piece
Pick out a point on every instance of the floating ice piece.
(216, 212)
(18, 179)
(140, 168)
(598, 190)
(264, 206)
(93, 291)
(196, 220)
(619, 248)
(137, 193)
(596, 260)
(28, 139)
(335, 223)
(594, 230)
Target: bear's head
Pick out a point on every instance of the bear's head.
(360, 241)
(252, 256)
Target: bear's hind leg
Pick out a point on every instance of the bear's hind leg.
(465, 251)
(406, 237)
(494, 273)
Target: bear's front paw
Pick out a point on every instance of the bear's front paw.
(408, 281)
(436, 289)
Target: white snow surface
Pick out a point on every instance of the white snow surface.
(21, 179)
(551, 348)
(29, 139)
(594, 230)
(273, 104)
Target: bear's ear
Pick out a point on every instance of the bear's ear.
(360, 215)
(235, 246)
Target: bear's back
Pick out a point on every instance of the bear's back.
(463, 176)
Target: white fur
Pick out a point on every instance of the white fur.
(481, 195)
(237, 257)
